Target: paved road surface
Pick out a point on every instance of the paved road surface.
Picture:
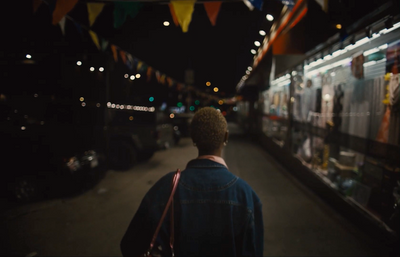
(296, 222)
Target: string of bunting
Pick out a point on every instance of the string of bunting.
(181, 12)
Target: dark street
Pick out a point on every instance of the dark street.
(296, 221)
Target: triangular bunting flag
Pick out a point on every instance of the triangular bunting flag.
(104, 44)
(95, 39)
(124, 9)
(94, 9)
(129, 62)
(149, 73)
(123, 56)
(115, 52)
(174, 18)
(36, 4)
(183, 11)
(62, 25)
(212, 9)
(162, 79)
(139, 65)
(170, 81)
(179, 86)
(158, 75)
(248, 4)
(62, 8)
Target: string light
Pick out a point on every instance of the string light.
(101, 69)
(91, 68)
(269, 17)
(28, 56)
(79, 63)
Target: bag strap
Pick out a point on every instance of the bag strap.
(175, 181)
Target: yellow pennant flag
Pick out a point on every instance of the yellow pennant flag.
(162, 79)
(183, 11)
(139, 65)
(95, 38)
(94, 9)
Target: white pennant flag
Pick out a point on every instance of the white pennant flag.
(62, 25)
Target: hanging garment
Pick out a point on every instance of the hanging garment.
(383, 133)
(377, 107)
(327, 105)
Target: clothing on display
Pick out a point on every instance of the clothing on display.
(357, 67)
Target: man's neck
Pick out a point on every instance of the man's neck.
(217, 152)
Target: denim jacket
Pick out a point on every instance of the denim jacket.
(215, 213)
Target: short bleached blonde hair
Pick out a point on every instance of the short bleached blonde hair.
(208, 128)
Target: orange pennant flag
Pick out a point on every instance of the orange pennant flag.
(36, 5)
(149, 72)
(183, 11)
(170, 82)
(62, 8)
(158, 76)
(173, 14)
(212, 9)
(115, 52)
(123, 56)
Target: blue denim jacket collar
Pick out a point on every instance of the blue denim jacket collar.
(203, 175)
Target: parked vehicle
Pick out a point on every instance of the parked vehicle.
(44, 160)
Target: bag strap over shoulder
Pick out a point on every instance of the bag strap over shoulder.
(175, 181)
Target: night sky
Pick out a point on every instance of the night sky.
(219, 54)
